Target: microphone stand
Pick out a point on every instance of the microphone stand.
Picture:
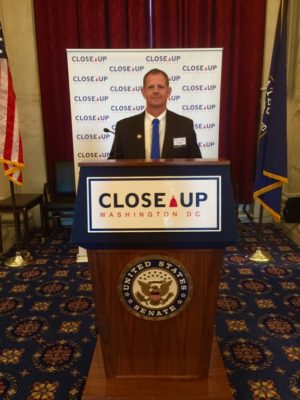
(21, 258)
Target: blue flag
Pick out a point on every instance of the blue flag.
(271, 166)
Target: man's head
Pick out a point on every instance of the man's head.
(156, 91)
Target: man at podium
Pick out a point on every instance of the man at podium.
(157, 132)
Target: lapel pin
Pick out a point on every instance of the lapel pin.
(139, 136)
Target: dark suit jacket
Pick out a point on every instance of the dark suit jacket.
(129, 140)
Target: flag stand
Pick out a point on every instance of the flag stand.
(22, 257)
(260, 255)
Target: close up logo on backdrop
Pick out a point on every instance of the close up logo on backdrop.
(155, 287)
(153, 204)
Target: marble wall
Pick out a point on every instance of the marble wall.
(18, 26)
(292, 188)
(17, 23)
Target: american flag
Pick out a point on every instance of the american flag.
(11, 150)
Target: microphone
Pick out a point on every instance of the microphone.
(108, 131)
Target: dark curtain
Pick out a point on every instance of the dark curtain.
(76, 24)
(56, 30)
(237, 26)
(112, 24)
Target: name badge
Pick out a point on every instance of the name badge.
(180, 141)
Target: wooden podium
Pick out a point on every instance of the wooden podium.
(155, 233)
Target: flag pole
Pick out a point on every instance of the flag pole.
(11, 149)
(260, 255)
(21, 258)
(271, 165)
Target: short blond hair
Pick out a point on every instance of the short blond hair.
(155, 71)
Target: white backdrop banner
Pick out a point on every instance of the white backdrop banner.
(105, 86)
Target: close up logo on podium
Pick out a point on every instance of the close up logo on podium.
(154, 204)
(155, 287)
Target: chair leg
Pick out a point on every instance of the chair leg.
(26, 227)
(1, 239)
(55, 217)
(45, 223)
(42, 216)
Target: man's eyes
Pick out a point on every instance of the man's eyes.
(159, 87)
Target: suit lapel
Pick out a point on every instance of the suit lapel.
(170, 128)
(138, 135)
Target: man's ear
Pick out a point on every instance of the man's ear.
(143, 92)
(170, 91)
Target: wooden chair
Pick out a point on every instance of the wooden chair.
(59, 197)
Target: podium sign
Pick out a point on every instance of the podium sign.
(144, 204)
(154, 204)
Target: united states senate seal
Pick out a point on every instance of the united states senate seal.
(155, 287)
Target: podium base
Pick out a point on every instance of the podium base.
(215, 387)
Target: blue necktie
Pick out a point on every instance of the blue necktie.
(155, 150)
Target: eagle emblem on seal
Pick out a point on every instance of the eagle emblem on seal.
(154, 292)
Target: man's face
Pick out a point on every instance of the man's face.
(156, 91)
